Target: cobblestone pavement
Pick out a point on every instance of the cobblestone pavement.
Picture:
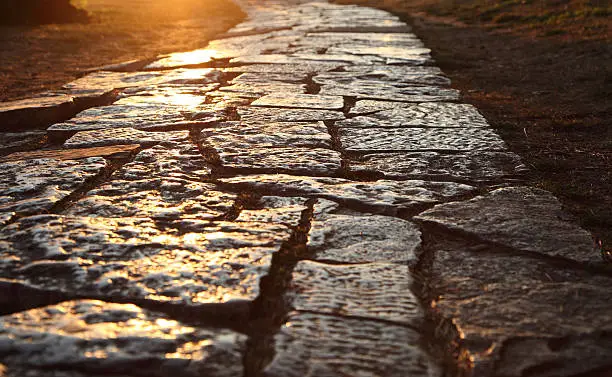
(306, 196)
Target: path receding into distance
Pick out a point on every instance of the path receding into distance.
(307, 196)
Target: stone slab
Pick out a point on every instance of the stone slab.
(381, 196)
(408, 54)
(275, 210)
(301, 101)
(256, 89)
(472, 166)
(20, 140)
(347, 347)
(185, 262)
(389, 91)
(126, 136)
(419, 75)
(96, 337)
(445, 115)
(370, 291)
(324, 40)
(299, 69)
(35, 112)
(363, 238)
(523, 218)
(420, 139)
(72, 154)
(263, 115)
(252, 77)
(34, 186)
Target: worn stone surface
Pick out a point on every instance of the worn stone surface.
(34, 186)
(301, 69)
(347, 347)
(389, 91)
(380, 196)
(370, 290)
(420, 115)
(276, 210)
(35, 112)
(137, 258)
(262, 115)
(473, 166)
(99, 337)
(18, 140)
(114, 136)
(73, 154)
(301, 101)
(523, 218)
(358, 238)
(256, 89)
(420, 75)
(420, 139)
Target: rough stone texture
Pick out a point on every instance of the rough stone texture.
(358, 239)
(389, 91)
(263, 115)
(517, 313)
(301, 101)
(347, 347)
(420, 115)
(300, 69)
(295, 160)
(136, 258)
(307, 58)
(35, 112)
(72, 154)
(34, 186)
(97, 337)
(256, 89)
(19, 140)
(380, 196)
(114, 136)
(237, 136)
(420, 139)
(473, 166)
(251, 77)
(425, 75)
(371, 290)
(519, 217)
(403, 54)
(276, 210)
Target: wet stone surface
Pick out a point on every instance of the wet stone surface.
(358, 346)
(371, 290)
(420, 139)
(114, 136)
(96, 337)
(34, 186)
(381, 196)
(522, 218)
(473, 166)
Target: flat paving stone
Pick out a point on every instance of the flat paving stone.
(518, 313)
(101, 337)
(370, 291)
(301, 101)
(303, 68)
(388, 91)
(125, 135)
(380, 196)
(257, 89)
(263, 115)
(251, 77)
(523, 218)
(294, 160)
(472, 166)
(233, 136)
(72, 154)
(347, 347)
(19, 140)
(341, 238)
(419, 75)
(35, 112)
(186, 263)
(420, 139)
(299, 58)
(415, 55)
(324, 40)
(34, 186)
(276, 210)
(445, 115)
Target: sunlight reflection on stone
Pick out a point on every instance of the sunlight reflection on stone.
(186, 58)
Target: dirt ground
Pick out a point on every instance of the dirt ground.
(35, 59)
(541, 73)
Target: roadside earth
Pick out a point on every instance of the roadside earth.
(540, 72)
(40, 58)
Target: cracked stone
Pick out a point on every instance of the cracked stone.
(73, 154)
(114, 136)
(420, 139)
(370, 291)
(420, 115)
(359, 239)
(96, 337)
(237, 136)
(16, 140)
(301, 101)
(296, 160)
(34, 186)
(512, 309)
(382, 196)
(473, 166)
(347, 347)
(276, 210)
(523, 218)
(421, 75)
(135, 258)
(35, 112)
(262, 115)
(389, 91)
